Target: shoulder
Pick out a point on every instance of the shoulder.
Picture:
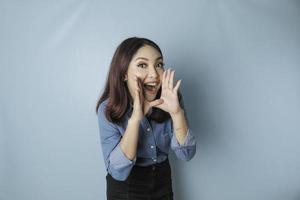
(102, 106)
(101, 110)
(102, 119)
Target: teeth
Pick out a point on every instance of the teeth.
(152, 84)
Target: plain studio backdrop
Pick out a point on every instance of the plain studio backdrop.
(240, 66)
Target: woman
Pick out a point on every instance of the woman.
(141, 116)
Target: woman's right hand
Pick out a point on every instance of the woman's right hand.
(140, 105)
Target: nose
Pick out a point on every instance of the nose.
(152, 72)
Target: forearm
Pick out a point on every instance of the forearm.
(179, 125)
(129, 141)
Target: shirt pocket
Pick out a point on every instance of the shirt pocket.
(164, 142)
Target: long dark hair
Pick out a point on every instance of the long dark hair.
(116, 91)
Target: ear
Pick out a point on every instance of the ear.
(125, 77)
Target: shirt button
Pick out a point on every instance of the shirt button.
(152, 146)
(148, 129)
(154, 159)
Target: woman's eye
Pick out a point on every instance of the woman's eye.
(161, 65)
(142, 65)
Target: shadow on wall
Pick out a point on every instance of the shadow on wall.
(196, 100)
(191, 91)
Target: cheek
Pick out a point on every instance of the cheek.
(137, 71)
(130, 85)
(161, 74)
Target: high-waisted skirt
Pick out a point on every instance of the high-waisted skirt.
(143, 183)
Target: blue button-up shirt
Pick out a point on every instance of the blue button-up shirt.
(155, 140)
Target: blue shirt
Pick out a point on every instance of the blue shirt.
(155, 141)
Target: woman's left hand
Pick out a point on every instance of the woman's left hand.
(169, 93)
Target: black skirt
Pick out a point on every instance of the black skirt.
(143, 183)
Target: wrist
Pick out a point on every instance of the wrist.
(134, 120)
(178, 112)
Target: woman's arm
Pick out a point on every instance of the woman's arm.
(179, 125)
(130, 139)
(183, 140)
(116, 161)
(141, 106)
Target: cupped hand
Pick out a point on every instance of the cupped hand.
(141, 106)
(169, 92)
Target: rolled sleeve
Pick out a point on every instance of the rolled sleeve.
(187, 150)
(117, 164)
(120, 166)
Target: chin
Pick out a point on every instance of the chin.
(151, 97)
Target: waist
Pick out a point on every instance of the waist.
(157, 166)
(147, 160)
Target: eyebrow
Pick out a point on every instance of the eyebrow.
(147, 58)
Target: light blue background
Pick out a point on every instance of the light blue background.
(240, 66)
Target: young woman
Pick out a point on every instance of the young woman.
(141, 116)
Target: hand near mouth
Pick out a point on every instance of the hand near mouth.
(141, 106)
(169, 93)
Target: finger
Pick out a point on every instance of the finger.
(171, 79)
(135, 85)
(164, 80)
(177, 85)
(141, 90)
(136, 97)
(160, 106)
(163, 77)
(137, 91)
(156, 102)
(168, 78)
(136, 82)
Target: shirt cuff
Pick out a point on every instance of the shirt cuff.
(118, 159)
(189, 140)
(120, 166)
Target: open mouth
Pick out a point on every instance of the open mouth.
(151, 87)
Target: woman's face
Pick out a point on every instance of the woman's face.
(147, 65)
